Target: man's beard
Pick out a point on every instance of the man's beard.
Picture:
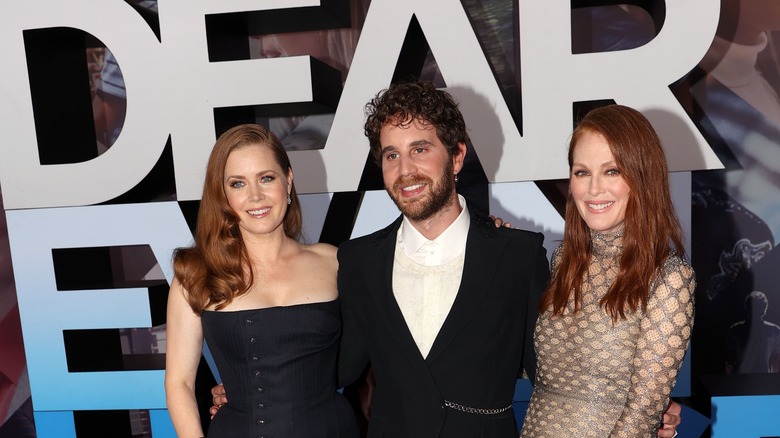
(438, 197)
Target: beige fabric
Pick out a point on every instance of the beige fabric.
(425, 295)
(596, 379)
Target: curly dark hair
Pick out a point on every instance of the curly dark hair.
(403, 103)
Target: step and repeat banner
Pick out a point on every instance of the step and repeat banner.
(109, 109)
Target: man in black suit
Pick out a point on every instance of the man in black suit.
(441, 303)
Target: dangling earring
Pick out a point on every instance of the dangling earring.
(456, 177)
(289, 199)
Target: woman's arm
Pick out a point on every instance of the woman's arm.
(665, 330)
(184, 342)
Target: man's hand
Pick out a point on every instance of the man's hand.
(219, 398)
(671, 420)
(500, 222)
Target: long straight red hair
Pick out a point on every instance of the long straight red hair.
(651, 230)
(216, 268)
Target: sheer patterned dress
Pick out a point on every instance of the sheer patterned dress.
(599, 379)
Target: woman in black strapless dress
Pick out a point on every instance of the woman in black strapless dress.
(266, 304)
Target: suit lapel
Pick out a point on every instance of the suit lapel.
(483, 247)
(379, 277)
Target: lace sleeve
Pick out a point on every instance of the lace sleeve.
(665, 330)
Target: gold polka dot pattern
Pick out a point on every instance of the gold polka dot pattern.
(599, 379)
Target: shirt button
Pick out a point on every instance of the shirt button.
(260, 421)
(259, 389)
(248, 321)
(252, 340)
(255, 357)
(261, 405)
(258, 373)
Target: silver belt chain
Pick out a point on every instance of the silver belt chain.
(479, 411)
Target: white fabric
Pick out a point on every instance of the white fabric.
(448, 245)
(427, 275)
(425, 295)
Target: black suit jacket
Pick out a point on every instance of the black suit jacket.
(484, 343)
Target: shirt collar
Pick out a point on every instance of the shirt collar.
(453, 239)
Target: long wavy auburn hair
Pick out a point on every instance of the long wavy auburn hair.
(216, 268)
(651, 231)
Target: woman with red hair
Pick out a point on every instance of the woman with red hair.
(266, 304)
(616, 317)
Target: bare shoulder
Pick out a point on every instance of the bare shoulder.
(323, 249)
(315, 272)
(321, 252)
(177, 287)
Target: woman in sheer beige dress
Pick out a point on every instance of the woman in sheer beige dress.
(616, 318)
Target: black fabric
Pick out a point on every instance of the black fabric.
(483, 344)
(278, 366)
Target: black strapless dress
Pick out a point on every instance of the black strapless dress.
(279, 368)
